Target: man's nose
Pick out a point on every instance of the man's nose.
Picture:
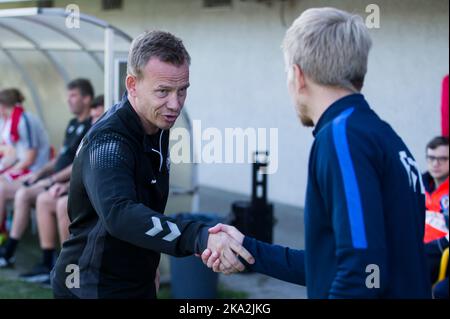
(435, 163)
(174, 103)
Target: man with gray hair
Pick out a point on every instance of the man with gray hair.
(120, 185)
(365, 203)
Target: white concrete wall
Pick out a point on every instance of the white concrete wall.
(238, 80)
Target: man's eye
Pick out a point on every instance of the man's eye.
(162, 93)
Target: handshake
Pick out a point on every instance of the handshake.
(223, 249)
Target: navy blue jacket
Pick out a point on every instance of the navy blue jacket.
(364, 213)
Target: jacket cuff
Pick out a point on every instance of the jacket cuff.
(201, 242)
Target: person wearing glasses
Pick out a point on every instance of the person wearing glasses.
(436, 224)
(436, 188)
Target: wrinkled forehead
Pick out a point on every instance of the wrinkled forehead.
(162, 72)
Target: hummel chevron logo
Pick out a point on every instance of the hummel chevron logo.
(157, 228)
(174, 232)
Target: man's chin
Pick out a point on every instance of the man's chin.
(306, 121)
(166, 125)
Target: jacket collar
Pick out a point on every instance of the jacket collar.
(354, 100)
(133, 122)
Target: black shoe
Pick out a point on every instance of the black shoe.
(39, 274)
(6, 262)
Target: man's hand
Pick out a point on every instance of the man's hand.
(230, 230)
(58, 189)
(14, 171)
(45, 183)
(29, 179)
(226, 244)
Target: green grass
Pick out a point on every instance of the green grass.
(16, 289)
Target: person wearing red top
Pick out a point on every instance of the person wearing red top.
(29, 150)
(436, 225)
(436, 186)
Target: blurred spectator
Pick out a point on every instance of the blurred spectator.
(434, 251)
(52, 220)
(97, 108)
(80, 94)
(26, 147)
(436, 188)
(52, 216)
(437, 201)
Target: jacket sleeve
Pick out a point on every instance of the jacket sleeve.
(27, 135)
(276, 261)
(108, 176)
(348, 175)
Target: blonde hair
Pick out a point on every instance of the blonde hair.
(331, 47)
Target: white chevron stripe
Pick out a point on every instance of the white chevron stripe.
(157, 227)
(174, 232)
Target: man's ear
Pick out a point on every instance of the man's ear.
(299, 78)
(130, 83)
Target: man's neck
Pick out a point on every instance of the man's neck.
(149, 128)
(322, 98)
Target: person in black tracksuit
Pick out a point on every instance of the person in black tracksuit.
(120, 184)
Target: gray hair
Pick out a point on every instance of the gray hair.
(331, 46)
(162, 45)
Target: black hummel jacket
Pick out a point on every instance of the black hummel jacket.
(118, 193)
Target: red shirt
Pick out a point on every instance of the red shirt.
(437, 203)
